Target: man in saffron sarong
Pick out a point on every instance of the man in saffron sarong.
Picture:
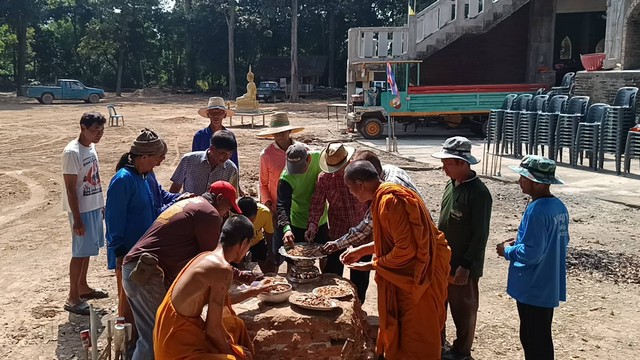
(411, 260)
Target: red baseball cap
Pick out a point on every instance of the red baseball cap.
(228, 192)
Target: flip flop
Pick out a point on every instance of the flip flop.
(81, 308)
(95, 294)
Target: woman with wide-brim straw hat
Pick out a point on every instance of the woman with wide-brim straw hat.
(272, 162)
(216, 110)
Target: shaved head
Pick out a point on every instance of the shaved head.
(361, 170)
(371, 157)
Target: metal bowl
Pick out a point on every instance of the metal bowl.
(278, 297)
(319, 254)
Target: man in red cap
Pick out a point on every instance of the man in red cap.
(181, 232)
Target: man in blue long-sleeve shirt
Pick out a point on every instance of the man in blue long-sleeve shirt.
(215, 111)
(537, 270)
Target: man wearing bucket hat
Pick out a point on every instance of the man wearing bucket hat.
(465, 214)
(215, 111)
(295, 190)
(272, 162)
(537, 257)
(345, 211)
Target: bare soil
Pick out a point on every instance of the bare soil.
(600, 320)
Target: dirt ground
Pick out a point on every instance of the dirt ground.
(600, 320)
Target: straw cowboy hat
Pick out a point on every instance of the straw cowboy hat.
(215, 103)
(457, 147)
(279, 123)
(335, 156)
(538, 169)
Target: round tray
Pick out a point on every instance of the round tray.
(320, 255)
(347, 292)
(294, 301)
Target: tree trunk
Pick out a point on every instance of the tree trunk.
(119, 76)
(231, 23)
(294, 51)
(22, 56)
(190, 61)
(332, 48)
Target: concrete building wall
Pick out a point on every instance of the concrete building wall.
(497, 57)
(602, 86)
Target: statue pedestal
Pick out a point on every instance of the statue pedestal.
(247, 106)
(250, 113)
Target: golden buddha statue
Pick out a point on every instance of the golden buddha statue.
(248, 102)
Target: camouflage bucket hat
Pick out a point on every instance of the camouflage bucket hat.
(539, 169)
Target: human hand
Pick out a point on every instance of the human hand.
(78, 227)
(501, 246)
(246, 277)
(310, 234)
(461, 277)
(269, 204)
(364, 266)
(330, 247)
(350, 255)
(289, 239)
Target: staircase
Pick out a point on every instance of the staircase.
(429, 31)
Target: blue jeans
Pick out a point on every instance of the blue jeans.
(145, 301)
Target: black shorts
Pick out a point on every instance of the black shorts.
(259, 251)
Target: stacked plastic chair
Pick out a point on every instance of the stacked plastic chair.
(566, 87)
(588, 135)
(613, 131)
(568, 125)
(545, 131)
(632, 149)
(527, 124)
(510, 122)
(494, 130)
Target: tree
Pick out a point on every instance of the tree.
(231, 23)
(294, 51)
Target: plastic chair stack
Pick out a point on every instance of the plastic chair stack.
(613, 131)
(588, 135)
(545, 131)
(632, 149)
(566, 87)
(510, 122)
(527, 124)
(568, 125)
(494, 129)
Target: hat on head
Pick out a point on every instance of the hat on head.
(335, 156)
(539, 169)
(228, 192)
(215, 103)
(457, 147)
(148, 143)
(297, 158)
(279, 123)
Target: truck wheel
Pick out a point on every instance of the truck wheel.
(46, 99)
(94, 98)
(371, 128)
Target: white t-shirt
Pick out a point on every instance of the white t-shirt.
(82, 161)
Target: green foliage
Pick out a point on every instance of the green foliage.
(183, 45)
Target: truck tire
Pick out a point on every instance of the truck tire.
(371, 128)
(94, 98)
(46, 98)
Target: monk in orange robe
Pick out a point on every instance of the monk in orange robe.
(179, 332)
(411, 260)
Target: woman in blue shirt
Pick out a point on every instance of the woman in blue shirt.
(130, 209)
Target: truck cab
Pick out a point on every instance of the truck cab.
(66, 89)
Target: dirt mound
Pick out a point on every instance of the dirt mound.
(604, 265)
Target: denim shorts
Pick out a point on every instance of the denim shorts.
(93, 239)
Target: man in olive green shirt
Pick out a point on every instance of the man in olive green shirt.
(465, 214)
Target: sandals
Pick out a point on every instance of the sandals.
(95, 294)
(81, 308)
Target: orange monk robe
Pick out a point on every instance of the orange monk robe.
(412, 265)
(177, 337)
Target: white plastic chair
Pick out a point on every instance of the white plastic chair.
(113, 116)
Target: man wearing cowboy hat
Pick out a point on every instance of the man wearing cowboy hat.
(272, 162)
(537, 257)
(465, 214)
(344, 209)
(215, 111)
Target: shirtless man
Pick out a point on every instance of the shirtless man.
(206, 281)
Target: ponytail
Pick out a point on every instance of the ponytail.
(125, 160)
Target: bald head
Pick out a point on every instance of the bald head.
(371, 157)
(361, 170)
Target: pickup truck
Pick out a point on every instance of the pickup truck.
(270, 91)
(67, 89)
